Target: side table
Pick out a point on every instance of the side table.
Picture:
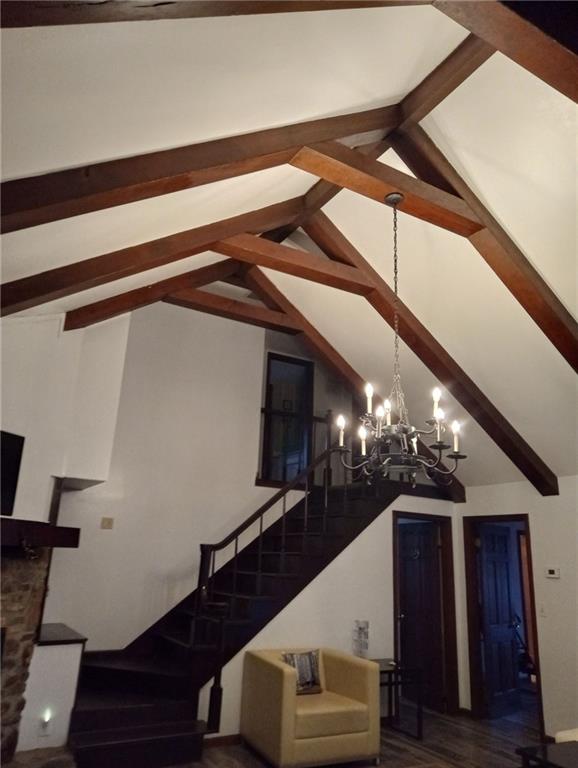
(393, 677)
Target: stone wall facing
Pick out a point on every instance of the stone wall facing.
(23, 588)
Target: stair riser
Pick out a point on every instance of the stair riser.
(153, 753)
(130, 681)
(124, 717)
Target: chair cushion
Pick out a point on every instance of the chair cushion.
(329, 714)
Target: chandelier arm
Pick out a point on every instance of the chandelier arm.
(351, 467)
(425, 431)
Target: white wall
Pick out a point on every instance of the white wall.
(60, 391)
(358, 584)
(183, 472)
(51, 686)
(554, 538)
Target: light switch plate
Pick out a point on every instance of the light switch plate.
(552, 573)
(106, 523)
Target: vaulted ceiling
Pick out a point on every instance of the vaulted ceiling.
(482, 143)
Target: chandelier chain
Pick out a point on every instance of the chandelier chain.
(397, 395)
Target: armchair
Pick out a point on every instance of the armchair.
(338, 725)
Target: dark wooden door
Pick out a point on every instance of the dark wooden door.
(498, 635)
(420, 643)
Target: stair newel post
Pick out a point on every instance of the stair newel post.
(212, 576)
(327, 469)
(202, 588)
(216, 693)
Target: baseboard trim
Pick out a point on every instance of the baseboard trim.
(223, 741)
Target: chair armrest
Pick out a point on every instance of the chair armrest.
(268, 705)
(351, 676)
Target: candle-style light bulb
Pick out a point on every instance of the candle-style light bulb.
(439, 416)
(362, 432)
(340, 421)
(387, 408)
(437, 395)
(456, 431)
(369, 396)
(379, 414)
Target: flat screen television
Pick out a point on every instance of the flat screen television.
(11, 447)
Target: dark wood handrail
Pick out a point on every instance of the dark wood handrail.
(268, 504)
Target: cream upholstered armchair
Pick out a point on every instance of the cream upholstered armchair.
(338, 725)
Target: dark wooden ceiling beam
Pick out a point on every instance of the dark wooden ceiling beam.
(350, 169)
(431, 91)
(495, 246)
(269, 293)
(326, 235)
(223, 306)
(35, 200)
(72, 278)
(291, 261)
(40, 13)
(519, 40)
(148, 294)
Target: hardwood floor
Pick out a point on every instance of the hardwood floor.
(449, 742)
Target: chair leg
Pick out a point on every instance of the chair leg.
(377, 761)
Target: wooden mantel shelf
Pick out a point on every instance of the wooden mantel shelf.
(37, 534)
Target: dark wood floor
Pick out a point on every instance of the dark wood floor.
(449, 742)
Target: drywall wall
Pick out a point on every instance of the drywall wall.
(50, 693)
(183, 472)
(39, 372)
(60, 391)
(97, 396)
(358, 584)
(554, 540)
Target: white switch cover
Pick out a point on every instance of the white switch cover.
(552, 573)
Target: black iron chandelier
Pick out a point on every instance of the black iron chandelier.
(387, 447)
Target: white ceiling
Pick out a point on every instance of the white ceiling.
(73, 95)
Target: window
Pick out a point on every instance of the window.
(288, 413)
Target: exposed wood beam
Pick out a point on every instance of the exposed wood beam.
(258, 250)
(222, 306)
(148, 294)
(274, 298)
(348, 168)
(496, 247)
(323, 232)
(518, 39)
(35, 200)
(445, 78)
(39, 13)
(72, 278)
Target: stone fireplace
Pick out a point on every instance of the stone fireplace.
(23, 589)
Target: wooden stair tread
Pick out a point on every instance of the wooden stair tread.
(88, 701)
(149, 665)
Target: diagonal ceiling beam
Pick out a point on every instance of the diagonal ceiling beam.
(495, 246)
(72, 278)
(148, 294)
(242, 311)
(519, 40)
(257, 250)
(433, 89)
(323, 232)
(350, 169)
(274, 298)
(35, 200)
(39, 13)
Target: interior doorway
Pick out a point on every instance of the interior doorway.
(503, 646)
(424, 606)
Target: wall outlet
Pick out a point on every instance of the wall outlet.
(106, 523)
(552, 573)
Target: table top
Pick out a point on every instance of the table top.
(563, 755)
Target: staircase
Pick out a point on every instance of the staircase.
(138, 706)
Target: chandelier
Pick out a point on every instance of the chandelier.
(387, 447)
